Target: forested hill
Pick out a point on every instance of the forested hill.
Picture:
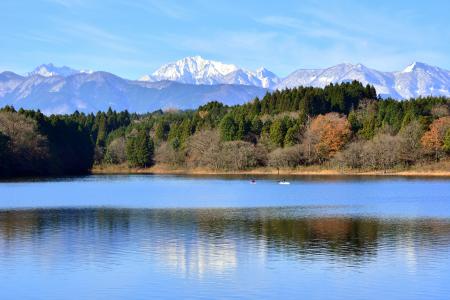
(343, 124)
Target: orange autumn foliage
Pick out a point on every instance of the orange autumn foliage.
(331, 132)
(433, 139)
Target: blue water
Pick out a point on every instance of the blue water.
(171, 237)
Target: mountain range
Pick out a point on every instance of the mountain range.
(196, 70)
(193, 81)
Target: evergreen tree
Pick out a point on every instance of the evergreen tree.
(278, 132)
(176, 145)
(354, 122)
(4, 161)
(243, 129)
(102, 131)
(228, 128)
(139, 150)
(71, 139)
(185, 130)
(130, 150)
(291, 136)
(174, 132)
(446, 145)
(161, 131)
(257, 125)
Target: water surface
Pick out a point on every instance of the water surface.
(144, 237)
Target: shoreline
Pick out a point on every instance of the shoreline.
(303, 171)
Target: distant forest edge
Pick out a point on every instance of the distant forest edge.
(345, 125)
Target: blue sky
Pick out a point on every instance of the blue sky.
(131, 37)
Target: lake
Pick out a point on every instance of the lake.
(172, 237)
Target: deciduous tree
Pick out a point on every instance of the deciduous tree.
(327, 134)
(433, 139)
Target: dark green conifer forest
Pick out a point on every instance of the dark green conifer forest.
(342, 125)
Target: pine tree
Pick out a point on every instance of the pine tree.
(161, 131)
(139, 149)
(277, 132)
(354, 122)
(257, 125)
(185, 131)
(130, 150)
(228, 128)
(291, 136)
(446, 145)
(243, 129)
(102, 131)
(4, 162)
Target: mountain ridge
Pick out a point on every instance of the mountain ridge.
(197, 70)
(90, 92)
(194, 81)
(417, 79)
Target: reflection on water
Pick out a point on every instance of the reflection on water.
(259, 252)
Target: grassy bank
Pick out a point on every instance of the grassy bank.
(435, 169)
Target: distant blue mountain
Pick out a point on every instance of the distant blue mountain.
(192, 81)
(90, 92)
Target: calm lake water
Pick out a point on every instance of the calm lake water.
(172, 237)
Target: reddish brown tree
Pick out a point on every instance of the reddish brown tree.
(433, 140)
(327, 134)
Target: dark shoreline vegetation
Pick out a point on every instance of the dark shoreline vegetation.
(342, 125)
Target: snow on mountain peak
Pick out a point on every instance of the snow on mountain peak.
(410, 68)
(86, 71)
(197, 70)
(239, 85)
(417, 79)
(193, 69)
(416, 66)
(50, 70)
(262, 70)
(268, 79)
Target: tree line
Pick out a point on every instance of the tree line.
(33, 144)
(342, 125)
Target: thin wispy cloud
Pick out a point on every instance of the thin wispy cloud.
(69, 3)
(166, 8)
(310, 29)
(350, 32)
(378, 25)
(96, 36)
(282, 35)
(41, 38)
(170, 9)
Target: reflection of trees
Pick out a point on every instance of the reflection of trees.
(287, 232)
(342, 236)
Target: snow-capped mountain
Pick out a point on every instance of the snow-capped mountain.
(193, 81)
(192, 70)
(50, 70)
(91, 92)
(8, 82)
(382, 81)
(418, 79)
(197, 70)
(268, 79)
